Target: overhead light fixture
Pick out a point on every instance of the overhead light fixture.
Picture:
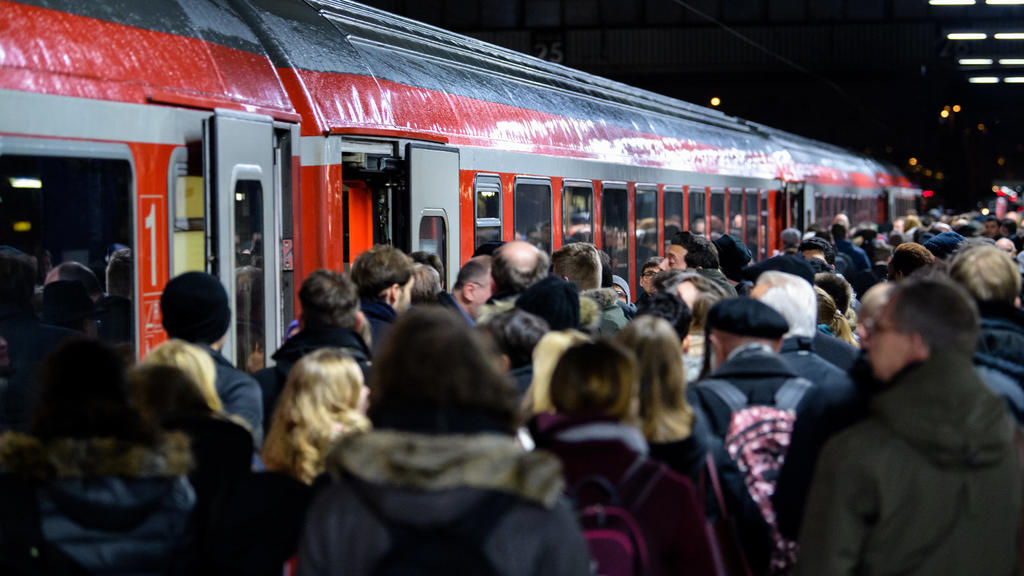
(967, 36)
(975, 61)
(25, 182)
(1003, 2)
(1011, 61)
(1014, 79)
(983, 80)
(1009, 35)
(951, 2)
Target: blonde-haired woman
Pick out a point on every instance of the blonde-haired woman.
(830, 317)
(194, 362)
(323, 399)
(546, 355)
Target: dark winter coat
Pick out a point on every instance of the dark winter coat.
(863, 281)
(239, 393)
(522, 376)
(111, 506)
(687, 457)
(857, 255)
(308, 340)
(836, 351)
(28, 342)
(756, 372)
(1001, 341)
(381, 316)
(434, 479)
(928, 483)
(716, 276)
(671, 518)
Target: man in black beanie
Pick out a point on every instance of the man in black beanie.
(194, 307)
(554, 300)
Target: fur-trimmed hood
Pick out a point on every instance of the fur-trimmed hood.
(446, 461)
(605, 297)
(64, 458)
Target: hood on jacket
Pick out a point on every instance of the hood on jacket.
(605, 297)
(93, 457)
(440, 462)
(943, 409)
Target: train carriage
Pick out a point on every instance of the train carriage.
(262, 140)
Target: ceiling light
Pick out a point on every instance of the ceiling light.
(1011, 61)
(1003, 2)
(983, 80)
(951, 2)
(1014, 79)
(967, 36)
(1009, 35)
(975, 61)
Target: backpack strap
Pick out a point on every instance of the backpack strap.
(733, 397)
(792, 391)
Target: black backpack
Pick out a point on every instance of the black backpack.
(455, 548)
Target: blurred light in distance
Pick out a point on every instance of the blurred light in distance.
(1001, 161)
(25, 182)
(983, 80)
(957, 108)
(928, 173)
(1009, 35)
(1011, 61)
(716, 101)
(912, 161)
(928, 193)
(1014, 79)
(944, 114)
(975, 61)
(966, 36)
(981, 127)
(984, 211)
(22, 226)
(951, 2)
(1003, 2)
(939, 176)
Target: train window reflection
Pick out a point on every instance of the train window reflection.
(533, 213)
(434, 237)
(488, 209)
(615, 228)
(577, 213)
(74, 216)
(697, 203)
(249, 323)
(646, 226)
(716, 215)
(736, 214)
(751, 238)
(673, 200)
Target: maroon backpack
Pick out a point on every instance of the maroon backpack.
(757, 439)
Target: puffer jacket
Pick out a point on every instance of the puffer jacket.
(111, 506)
(432, 480)
(929, 483)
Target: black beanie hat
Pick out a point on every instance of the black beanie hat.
(747, 317)
(195, 308)
(790, 263)
(733, 255)
(554, 300)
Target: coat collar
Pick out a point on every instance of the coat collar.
(91, 457)
(310, 339)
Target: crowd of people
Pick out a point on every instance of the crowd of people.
(850, 405)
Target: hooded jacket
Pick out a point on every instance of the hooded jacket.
(613, 318)
(716, 276)
(928, 484)
(113, 507)
(435, 479)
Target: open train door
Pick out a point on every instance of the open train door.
(244, 203)
(434, 203)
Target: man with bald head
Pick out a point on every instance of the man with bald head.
(515, 267)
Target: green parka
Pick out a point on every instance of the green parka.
(928, 484)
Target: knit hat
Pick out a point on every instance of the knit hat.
(747, 317)
(195, 308)
(621, 283)
(791, 264)
(733, 255)
(944, 244)
(554, 300)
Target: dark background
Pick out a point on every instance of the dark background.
(869, 75)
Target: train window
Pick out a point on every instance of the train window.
(673, 200)
(249, 269)
(697, 204)
(434, 237)
(764, 225)
(188, 220)
(577, 212)
(488, 209)
(615, 228)
(819, 209)
(646, 209)
(716, 215)
(751, 238)
(533, 213)
(76, 214)
(736, 213)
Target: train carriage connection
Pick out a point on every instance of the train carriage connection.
(263, 140)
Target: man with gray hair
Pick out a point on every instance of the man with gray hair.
(515, 267)
(791, 239)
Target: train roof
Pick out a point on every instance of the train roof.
(345, 67)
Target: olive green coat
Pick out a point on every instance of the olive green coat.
(928, 484)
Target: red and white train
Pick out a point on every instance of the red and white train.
(260, 140)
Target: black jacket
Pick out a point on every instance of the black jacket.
(687, 457)
(381, 316)
(755, 372)
(1001, 341)
(240, 394)
(28, 342)
(863, 281)
(308, 340)
(836, 351)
